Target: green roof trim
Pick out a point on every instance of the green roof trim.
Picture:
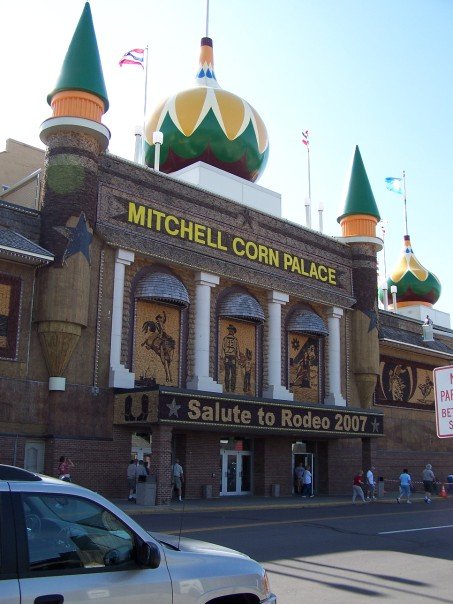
(359, 198)
(82, 69)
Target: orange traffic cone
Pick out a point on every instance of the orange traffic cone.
(443, 492)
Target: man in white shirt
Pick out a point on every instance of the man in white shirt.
(370, 484)
(178, 478)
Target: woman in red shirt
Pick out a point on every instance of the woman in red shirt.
(357, 490)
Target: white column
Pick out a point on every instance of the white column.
(274, 354)
(201, 379)
(334, 396)
(119, 377)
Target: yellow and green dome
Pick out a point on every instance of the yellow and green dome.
(415, 284)
(208, 124)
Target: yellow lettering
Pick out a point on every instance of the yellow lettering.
(159, 216)
(287, 260)
(251, 250)
(302, 268)
(194, 410)
(186, 229)
(322, 273)
(296, 266)
(263, 254)
(200, 233)
(274, 258)
(313, 271)
(286, 418)
(171, 219)
(136, 215)
(237, 241)
(332, 276)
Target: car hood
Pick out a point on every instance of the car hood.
(184, 544)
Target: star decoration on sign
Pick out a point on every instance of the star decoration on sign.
(375, 425)
(173, 408)
(79, 237)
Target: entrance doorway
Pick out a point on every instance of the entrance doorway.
(235, 472)
(307, 460)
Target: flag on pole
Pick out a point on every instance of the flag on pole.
(136, 56)
(394, 184)
(305, 138)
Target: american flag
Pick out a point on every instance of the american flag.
(305, 138)
(133, 57)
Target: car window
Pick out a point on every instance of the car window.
(69, 532)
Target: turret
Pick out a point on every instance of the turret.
(75, 137)
(358, 222)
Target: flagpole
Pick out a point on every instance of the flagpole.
(144, 105)
(405, 205)
(207, 18)
(308, 166)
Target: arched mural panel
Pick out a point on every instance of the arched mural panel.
(157, 343)
(303, 355)
(237, 356)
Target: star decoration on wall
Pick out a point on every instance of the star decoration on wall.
(375, 425)
(173, 408)
(372, 315)
(79, 237)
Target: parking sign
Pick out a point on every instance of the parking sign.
(443, 396)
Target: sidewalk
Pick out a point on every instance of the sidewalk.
(249, 502)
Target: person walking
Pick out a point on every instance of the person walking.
(131, 475)
(178, 478)
(370, 484)
(405, 486)
(64, 468)
(307, 479)
(428, 481)
(299, 474)
(357, 490)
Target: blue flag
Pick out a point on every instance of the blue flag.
(394, 184)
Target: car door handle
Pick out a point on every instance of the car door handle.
(49, 599)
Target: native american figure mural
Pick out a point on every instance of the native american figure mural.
(237, 365)
(303, 354)
(157, 343)
(405, 384)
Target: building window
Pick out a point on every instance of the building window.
(9, 315)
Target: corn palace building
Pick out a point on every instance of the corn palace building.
(170, 310)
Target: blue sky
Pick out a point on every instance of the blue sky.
(376, 73)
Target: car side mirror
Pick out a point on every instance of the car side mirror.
(148, 554)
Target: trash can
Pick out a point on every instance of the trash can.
(450, 483)
(207, 491)
(146, 491)
(275, 490)
(380, 487)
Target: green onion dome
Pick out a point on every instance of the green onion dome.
(208, 124)
(415, 284)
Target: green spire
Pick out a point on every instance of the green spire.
(82, 69)
(359, 198)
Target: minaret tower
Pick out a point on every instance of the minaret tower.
(358, 224)
(75, 138)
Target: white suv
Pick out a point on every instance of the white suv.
(62, 543)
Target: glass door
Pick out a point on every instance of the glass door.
(236, 472)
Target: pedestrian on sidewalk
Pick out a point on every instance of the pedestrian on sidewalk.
(370, 484)
(405, 486)
(299, 474)
(428, 481)
(307, 490)
(357, 490)
(131, 475)
(178, 478)
(64, 468)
